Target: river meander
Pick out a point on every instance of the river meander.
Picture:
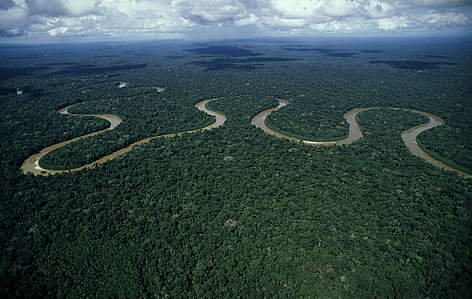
(31, 165)
(355, 133)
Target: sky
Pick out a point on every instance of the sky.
(96, 20)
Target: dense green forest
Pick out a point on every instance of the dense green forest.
(235, 212)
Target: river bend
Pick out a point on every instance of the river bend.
(31, 165)
(355, 133)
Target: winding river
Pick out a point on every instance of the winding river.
(31, 165)
(355, 133)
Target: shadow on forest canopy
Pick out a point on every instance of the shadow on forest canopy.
(92, 69)
(325, 52)
(7, 73)
(247, 64)
(412, 64)
(224, 50)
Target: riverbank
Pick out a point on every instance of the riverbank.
(408, 136)
(31, 165)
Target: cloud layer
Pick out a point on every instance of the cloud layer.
(99, 19)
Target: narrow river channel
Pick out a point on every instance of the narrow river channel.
(31, 165)
(355, 133)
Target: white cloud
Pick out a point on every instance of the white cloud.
(155, 18)
(443, 20)
(377, 9)
(13, 15)
(207, 12)
(82, 7)
(61, 7)
(251, 19)
(313, 8)
(296, 9)
(432, 3)
(393, 23)
(332, 26)
(57, 30)
(290, 23)
(126, 16)
(339, 8)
